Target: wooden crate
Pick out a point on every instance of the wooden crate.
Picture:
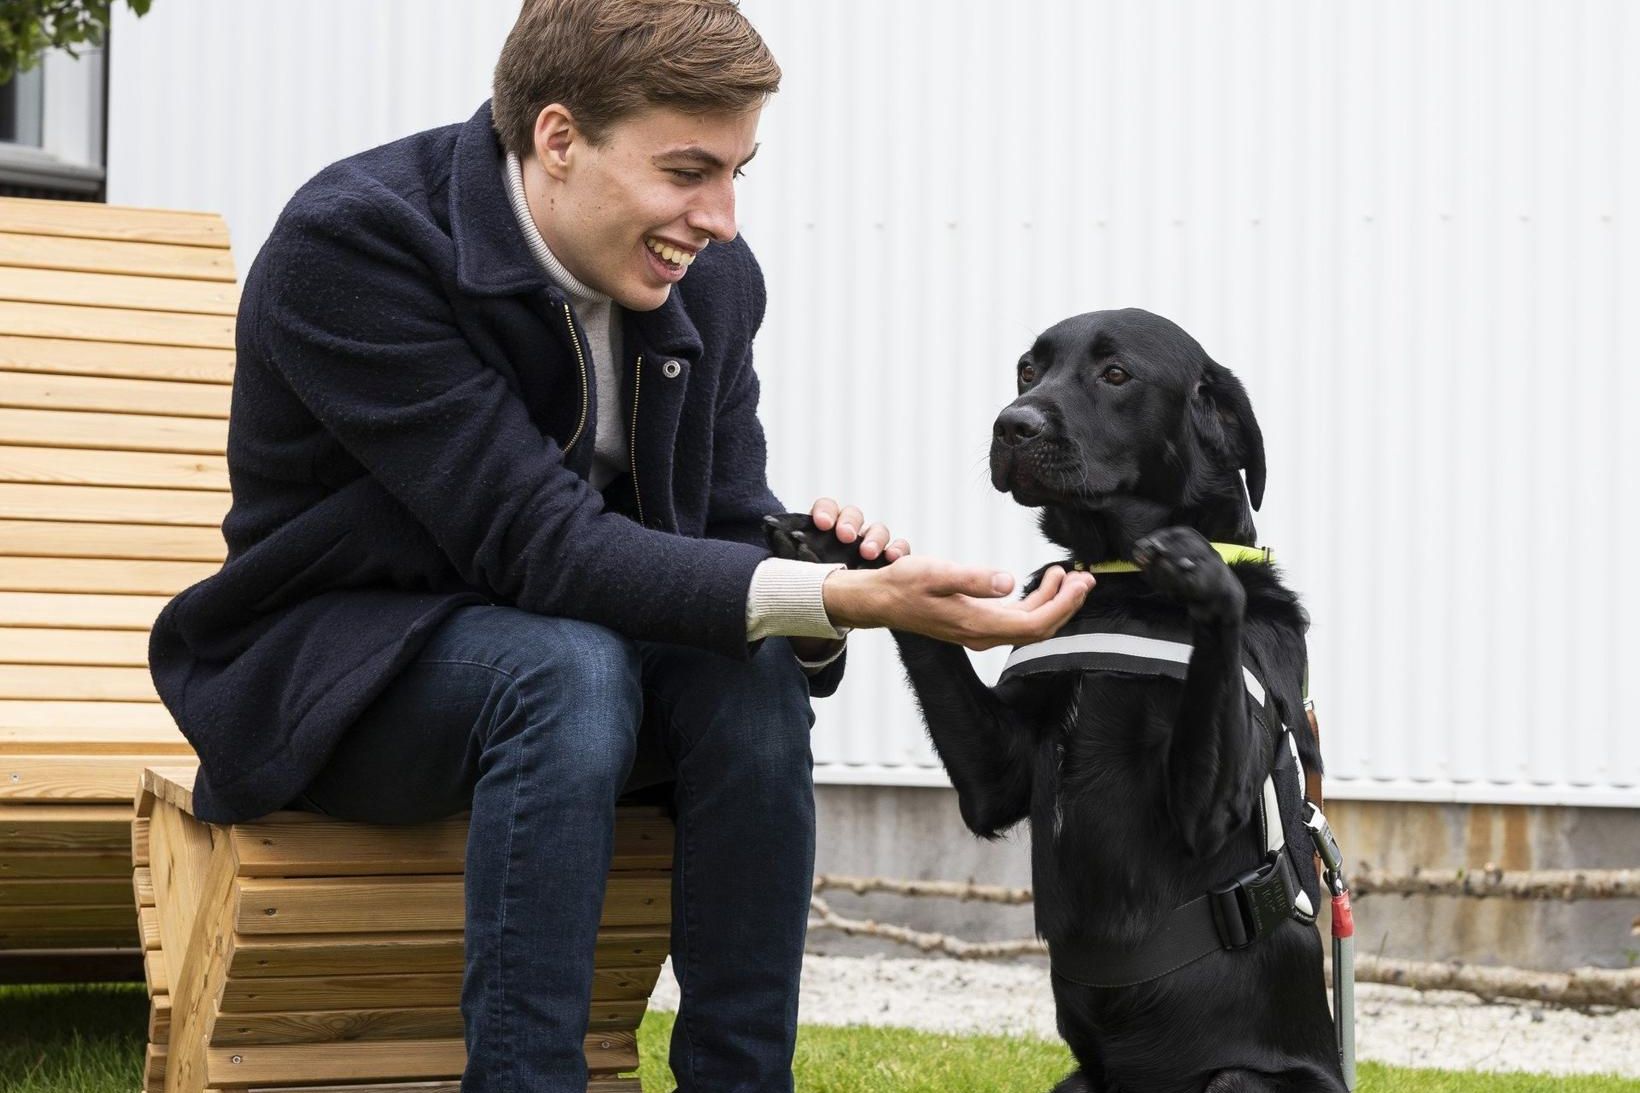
(116, 359)
(300, 950)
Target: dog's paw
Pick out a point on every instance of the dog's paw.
(1183, 566)
(793, 535)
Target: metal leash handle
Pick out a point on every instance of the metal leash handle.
(1343, 938)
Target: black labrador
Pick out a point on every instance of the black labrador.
(1144, 790)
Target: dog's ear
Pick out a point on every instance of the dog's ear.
(1232, 412)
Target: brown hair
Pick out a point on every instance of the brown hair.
(605, 59)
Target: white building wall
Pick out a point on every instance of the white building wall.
(1409, 227)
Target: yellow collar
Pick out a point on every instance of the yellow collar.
(1232, 553)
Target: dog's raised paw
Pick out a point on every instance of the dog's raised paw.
(1181, 564)
(794, 535)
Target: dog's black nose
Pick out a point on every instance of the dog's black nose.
(1017, 424)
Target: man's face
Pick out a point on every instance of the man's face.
(628, 215)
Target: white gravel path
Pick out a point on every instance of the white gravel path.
(1394, 1025)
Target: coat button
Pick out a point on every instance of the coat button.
(671, 369)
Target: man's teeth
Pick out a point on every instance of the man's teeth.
(671, 254)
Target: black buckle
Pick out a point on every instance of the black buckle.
(1255, 903)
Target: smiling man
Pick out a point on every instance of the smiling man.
(498, 483)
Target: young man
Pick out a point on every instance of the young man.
(498, 482)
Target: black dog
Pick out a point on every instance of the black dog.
(1145, 789)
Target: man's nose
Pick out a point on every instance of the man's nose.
(714, 214)
(1019, 424)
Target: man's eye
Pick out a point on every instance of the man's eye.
(686, 175)
(1027, 373)
(1115, 376)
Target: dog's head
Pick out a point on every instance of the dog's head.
(1124, 420)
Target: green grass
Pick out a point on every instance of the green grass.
(90, 1040)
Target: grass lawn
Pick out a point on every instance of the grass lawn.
(90, 1040)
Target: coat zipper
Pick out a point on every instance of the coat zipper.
(637, 375)
(580, 359)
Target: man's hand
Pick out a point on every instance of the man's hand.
(951, 602)
(847, 522)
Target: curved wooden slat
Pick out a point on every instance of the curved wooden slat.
(110, 324)
(107, 256)
(112, 505)
(139, 432)
(91, 467)
(89, 220)
(59, 539)
(82, 358)
(106, 648)
(74, 683)
(62, 610)
(55, 286)
(100, 394)
(113, 575)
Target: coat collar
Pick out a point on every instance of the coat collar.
(492, 258)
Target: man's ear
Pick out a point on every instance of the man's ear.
(555, 134)
(1233, 424)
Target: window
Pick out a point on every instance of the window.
(51, 128)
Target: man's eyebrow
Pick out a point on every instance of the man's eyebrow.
(694, 153)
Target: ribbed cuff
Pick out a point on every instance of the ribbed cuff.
(785, 601)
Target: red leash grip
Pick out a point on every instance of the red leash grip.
(1343, 919)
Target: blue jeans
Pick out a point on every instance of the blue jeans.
(532, 722)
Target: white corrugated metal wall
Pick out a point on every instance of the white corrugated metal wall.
(1409, 227)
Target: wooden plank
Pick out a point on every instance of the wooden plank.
(139, 851)
(595, 1084)
(113, 324)
(59, 682)
(153, 1068)
(309, 955)
(63, 830)
(198, 971)
(397, 1060)
(72, 357)
(38, 934)
(53, 892)
(59, 539)
(172, 783)
(49, 864)
(90, 467)
(158, 260)
(112, 504)
(392, 904)
(335, 849)
(148, 928)
(157, 972)
(138, 432)
(114, 576)
(98, 394)
(75, 720)
(70, 965)
(159, 1019)
(105, 648)
(99, 289)
(118, 917)
(121, 223)
(155, 742)
(64, 610)
(50, 778)
(142, 882)
(323, 1026)
(284, 995)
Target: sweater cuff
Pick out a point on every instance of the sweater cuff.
(785, 600)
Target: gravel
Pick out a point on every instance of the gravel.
(1393, 1024)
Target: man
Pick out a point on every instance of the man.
(498, 482)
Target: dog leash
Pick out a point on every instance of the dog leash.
(1343, 935)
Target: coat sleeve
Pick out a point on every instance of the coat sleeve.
(358, 326)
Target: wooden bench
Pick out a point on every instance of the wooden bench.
(303, 950)
(116, 359)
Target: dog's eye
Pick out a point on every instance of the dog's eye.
(1115, 376)
(1027, 373)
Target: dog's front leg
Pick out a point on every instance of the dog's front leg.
(984, 743)
(1213, 767)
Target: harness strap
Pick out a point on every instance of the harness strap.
(1232, 916)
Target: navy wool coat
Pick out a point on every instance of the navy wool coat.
(411, 431)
